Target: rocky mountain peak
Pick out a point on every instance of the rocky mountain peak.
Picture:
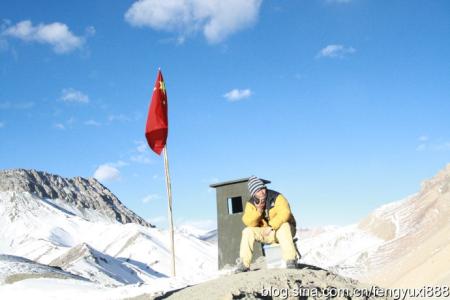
(441, 181)
(78, 192)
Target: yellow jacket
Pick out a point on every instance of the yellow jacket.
(278, 209)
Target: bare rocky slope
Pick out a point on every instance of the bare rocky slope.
(401, 244)
(416, 232)
(83, 194)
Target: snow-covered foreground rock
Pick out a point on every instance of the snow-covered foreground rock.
(14, 268)
(69, 289)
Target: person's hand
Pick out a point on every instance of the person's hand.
(260, 206)
(267, 231)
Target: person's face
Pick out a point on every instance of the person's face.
(261, 194)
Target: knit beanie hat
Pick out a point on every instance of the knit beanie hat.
(255, 184)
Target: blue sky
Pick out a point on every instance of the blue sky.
(342, 104)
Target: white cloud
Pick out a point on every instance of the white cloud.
(119, 164)
(90, 31)
(336, 51)
(55, 34)
(236, 95)
(92, 123)
(106, 172)
(141, 158)
(141, 146)
(209, 181)
(73, 95)
(151, 198)
(16, 105)
(444, 146)
(423, 138)
(59, 126)
(434, 146)
(120, 118)
(141, 154)
(216, 19)
(68, 124)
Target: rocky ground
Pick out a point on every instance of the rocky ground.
(308, 282)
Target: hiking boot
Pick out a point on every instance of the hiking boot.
(241, 268)
(291, 264)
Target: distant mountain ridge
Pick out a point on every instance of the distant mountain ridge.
(83, 194)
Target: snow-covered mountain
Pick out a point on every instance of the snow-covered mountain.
(76, 230)
(85, 261)
(404, 243)
(86, 198)
(78, 226)
(209, 235)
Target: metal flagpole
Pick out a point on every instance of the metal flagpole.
(169, 195)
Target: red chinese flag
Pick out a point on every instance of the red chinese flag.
(157, 123)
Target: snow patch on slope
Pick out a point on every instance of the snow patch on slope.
(343, 249)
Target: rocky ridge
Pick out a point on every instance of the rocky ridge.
(78, 192)
(15, 268)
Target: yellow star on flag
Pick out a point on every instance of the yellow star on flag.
(162, 86)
